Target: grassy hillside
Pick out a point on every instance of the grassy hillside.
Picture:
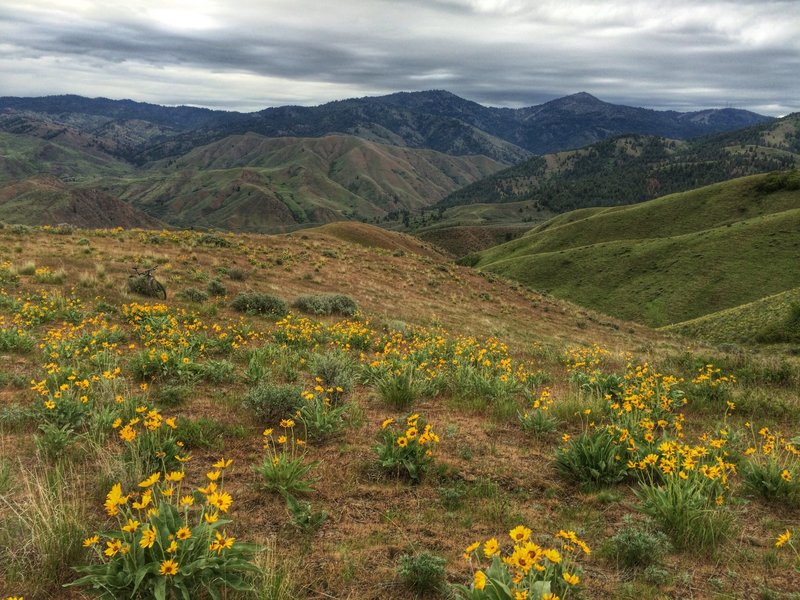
(773, 319)
(50, 201)
(254, 183)
(246, 182)
(374, 237)
(509, 381)
(24, 156)
(634, 168)
(668, 260)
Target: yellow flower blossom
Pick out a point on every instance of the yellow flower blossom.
(479, 580)
(131, 526)
(169, 567)
(152, 480)
(520, 534)
(148, 538)
(783, 538)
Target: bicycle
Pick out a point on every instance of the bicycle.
(145, 283)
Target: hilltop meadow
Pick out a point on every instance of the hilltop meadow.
(343, 412)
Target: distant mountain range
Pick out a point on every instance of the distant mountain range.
(436, 120)
(295, 166)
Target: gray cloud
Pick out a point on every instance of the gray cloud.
(250, 54)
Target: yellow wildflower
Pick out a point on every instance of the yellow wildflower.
(470, 549)
(150, 480)
(148, 538)
(479, 581)
(783, 538)
(520, 533)
(131, 526)
(168, 567)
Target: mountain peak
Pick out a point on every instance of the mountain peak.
(583, 97)
(583, 100)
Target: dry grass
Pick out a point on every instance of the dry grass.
(488, 475)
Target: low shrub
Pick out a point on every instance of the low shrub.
(237, 274)
(423, 572)
(192, 294)
(332, 304)
(260, 304)
(216, 288)
(213, 241)
(636, 545)
(335, 372)
(144, 286)
(272, 401)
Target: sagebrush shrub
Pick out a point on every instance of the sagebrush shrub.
(260, 304)
(423, 572)
(335, 371)
(193, 294)
(271, 401)
(237, 274)
(637, 545)
(216, 288)
(330, 304)
(213, 241)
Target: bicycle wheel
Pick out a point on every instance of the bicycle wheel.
(158, 289)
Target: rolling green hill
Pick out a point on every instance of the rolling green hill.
(668, 260)
(770, 319)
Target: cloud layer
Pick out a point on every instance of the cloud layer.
(250, 54)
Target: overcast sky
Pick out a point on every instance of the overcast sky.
(250, 54)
